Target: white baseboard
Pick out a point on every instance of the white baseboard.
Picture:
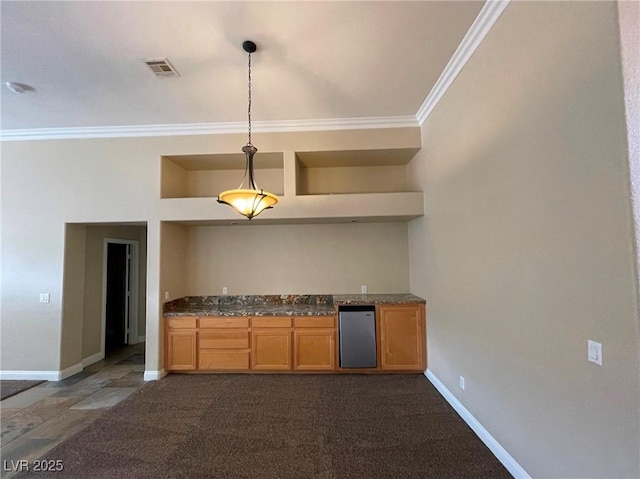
(31, 375)
(70, 371)
(46, 375)
(141, 339)
(94, 358)
(154, 375)
(494, 446)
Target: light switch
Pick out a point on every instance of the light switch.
(594, 352)
(44, 297)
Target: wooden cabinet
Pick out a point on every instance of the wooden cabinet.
(223, 343)
(271, 343)
(402, 343)
(284, 343)
(180, 345)
(314, 339)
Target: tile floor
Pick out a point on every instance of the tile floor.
(36, 420)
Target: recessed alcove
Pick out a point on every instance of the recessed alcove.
(353, 171)
(202, 176)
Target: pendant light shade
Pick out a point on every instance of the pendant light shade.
(249, 201)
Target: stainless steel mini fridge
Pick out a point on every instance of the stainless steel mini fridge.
(357, 336)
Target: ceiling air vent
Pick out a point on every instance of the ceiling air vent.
(161, 67)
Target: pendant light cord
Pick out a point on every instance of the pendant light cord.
(249, 108)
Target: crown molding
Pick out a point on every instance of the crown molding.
(489, 14)
(208, 128)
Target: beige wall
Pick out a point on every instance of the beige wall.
(174, 180)
(371, 179)
(298, 259)
(173, 260)
(525, 251)
(629, 20)
(209, 183)
(47, 184)
(73, 296)
(93, 276)
(172, 272)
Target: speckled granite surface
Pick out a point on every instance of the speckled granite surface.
(276, 305)
(376, 299)
(255, 305)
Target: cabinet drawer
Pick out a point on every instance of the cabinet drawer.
(214, 359)
(224, 322)
(224, 339)
(181, 323)
(271, 322)
(314, 322)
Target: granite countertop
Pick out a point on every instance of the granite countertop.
(276, 305)
(282, 310)
(376, 299)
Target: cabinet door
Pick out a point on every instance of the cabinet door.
(402, 337)
(181, 350)
(314, 349)
(271, 349)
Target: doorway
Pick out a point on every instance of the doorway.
(120, 294)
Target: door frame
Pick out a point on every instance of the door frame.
(134, 272)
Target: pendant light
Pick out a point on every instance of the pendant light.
(249, 201)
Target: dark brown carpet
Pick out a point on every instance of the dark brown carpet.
(279, 426)
(10, 388)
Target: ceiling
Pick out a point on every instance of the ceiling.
(83, 61)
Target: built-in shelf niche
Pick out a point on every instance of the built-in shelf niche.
(353, 171)
(206, 176)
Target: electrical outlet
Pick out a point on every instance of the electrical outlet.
(225, 290)
(44, 297)
(594, 352)
(461, 382)
(363, 288)
(166, 295)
